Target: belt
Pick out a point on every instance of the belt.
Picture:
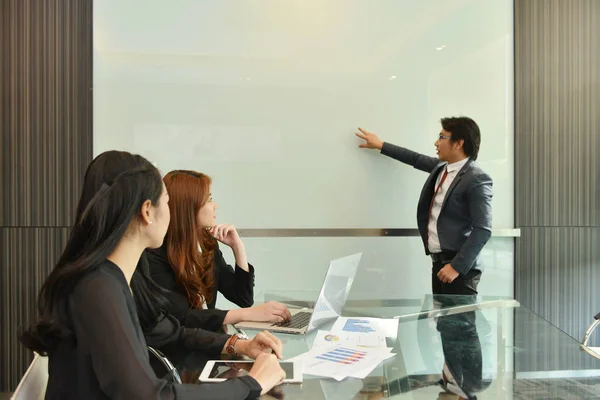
(443, 256)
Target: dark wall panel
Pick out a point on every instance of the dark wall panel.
(45, 109)
(557, 160)
(45, 146)
(557, 112)
(27, 255)
(562, 269)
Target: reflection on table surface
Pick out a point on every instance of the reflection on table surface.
(447, 347)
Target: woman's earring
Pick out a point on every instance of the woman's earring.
(149, 222)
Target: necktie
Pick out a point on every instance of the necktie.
(431, 204)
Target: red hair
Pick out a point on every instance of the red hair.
(188, 193)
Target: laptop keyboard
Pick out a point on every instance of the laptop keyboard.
(298, 320)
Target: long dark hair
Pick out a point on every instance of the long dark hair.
(116, 185)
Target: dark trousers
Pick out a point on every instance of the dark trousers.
(463, 284)
(461, 345)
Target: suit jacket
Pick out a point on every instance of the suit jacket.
(465, 222)
(236, 285)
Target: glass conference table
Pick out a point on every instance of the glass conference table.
(488, 348)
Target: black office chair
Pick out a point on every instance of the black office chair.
(594, 351)
(162, 366)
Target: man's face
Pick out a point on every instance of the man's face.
(446, 149)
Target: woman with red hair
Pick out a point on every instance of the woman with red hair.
(191, 267)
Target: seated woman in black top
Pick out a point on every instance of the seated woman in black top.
(191, 267)
(89, 326)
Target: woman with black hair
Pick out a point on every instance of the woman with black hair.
(88, 324)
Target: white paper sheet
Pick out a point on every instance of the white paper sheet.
(341, 361)
(370, 339)
(363, 373)
(380, 326)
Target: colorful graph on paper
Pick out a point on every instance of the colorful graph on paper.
(358, 325)
(342, 355)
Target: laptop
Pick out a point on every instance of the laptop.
(332, 297)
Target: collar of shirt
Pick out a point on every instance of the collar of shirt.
(455, 167)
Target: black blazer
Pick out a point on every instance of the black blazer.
(236, 285)
(107, 357)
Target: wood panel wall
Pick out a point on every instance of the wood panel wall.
(557, 161)
(45, 146)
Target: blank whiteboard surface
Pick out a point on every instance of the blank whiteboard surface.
(264, 96)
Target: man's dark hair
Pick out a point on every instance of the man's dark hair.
(466, 129)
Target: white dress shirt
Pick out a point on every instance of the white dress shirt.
(433, 243)
(202, 299)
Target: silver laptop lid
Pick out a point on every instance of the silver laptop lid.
(334, 291)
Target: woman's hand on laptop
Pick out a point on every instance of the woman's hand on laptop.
(264, 342)
(271, 311)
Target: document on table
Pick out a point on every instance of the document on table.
(369, 339)
(379, 326)
(341, 361)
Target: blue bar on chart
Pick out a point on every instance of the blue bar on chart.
(358, 325)
(342, 355)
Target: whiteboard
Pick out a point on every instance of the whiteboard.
(264, 96)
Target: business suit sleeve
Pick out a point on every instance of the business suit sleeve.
(168, 332)
(236, 284)
(209, 319)
(417, 160)
(479, 196)
(177, 302)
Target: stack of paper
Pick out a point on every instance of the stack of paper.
(341, 361)
(365, 332)
(352, 348)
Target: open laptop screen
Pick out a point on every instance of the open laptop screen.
(335, 289)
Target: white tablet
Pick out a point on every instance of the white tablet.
(220, 370)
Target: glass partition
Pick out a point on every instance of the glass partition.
(265, 97)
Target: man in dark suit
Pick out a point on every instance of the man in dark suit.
(454, 214)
